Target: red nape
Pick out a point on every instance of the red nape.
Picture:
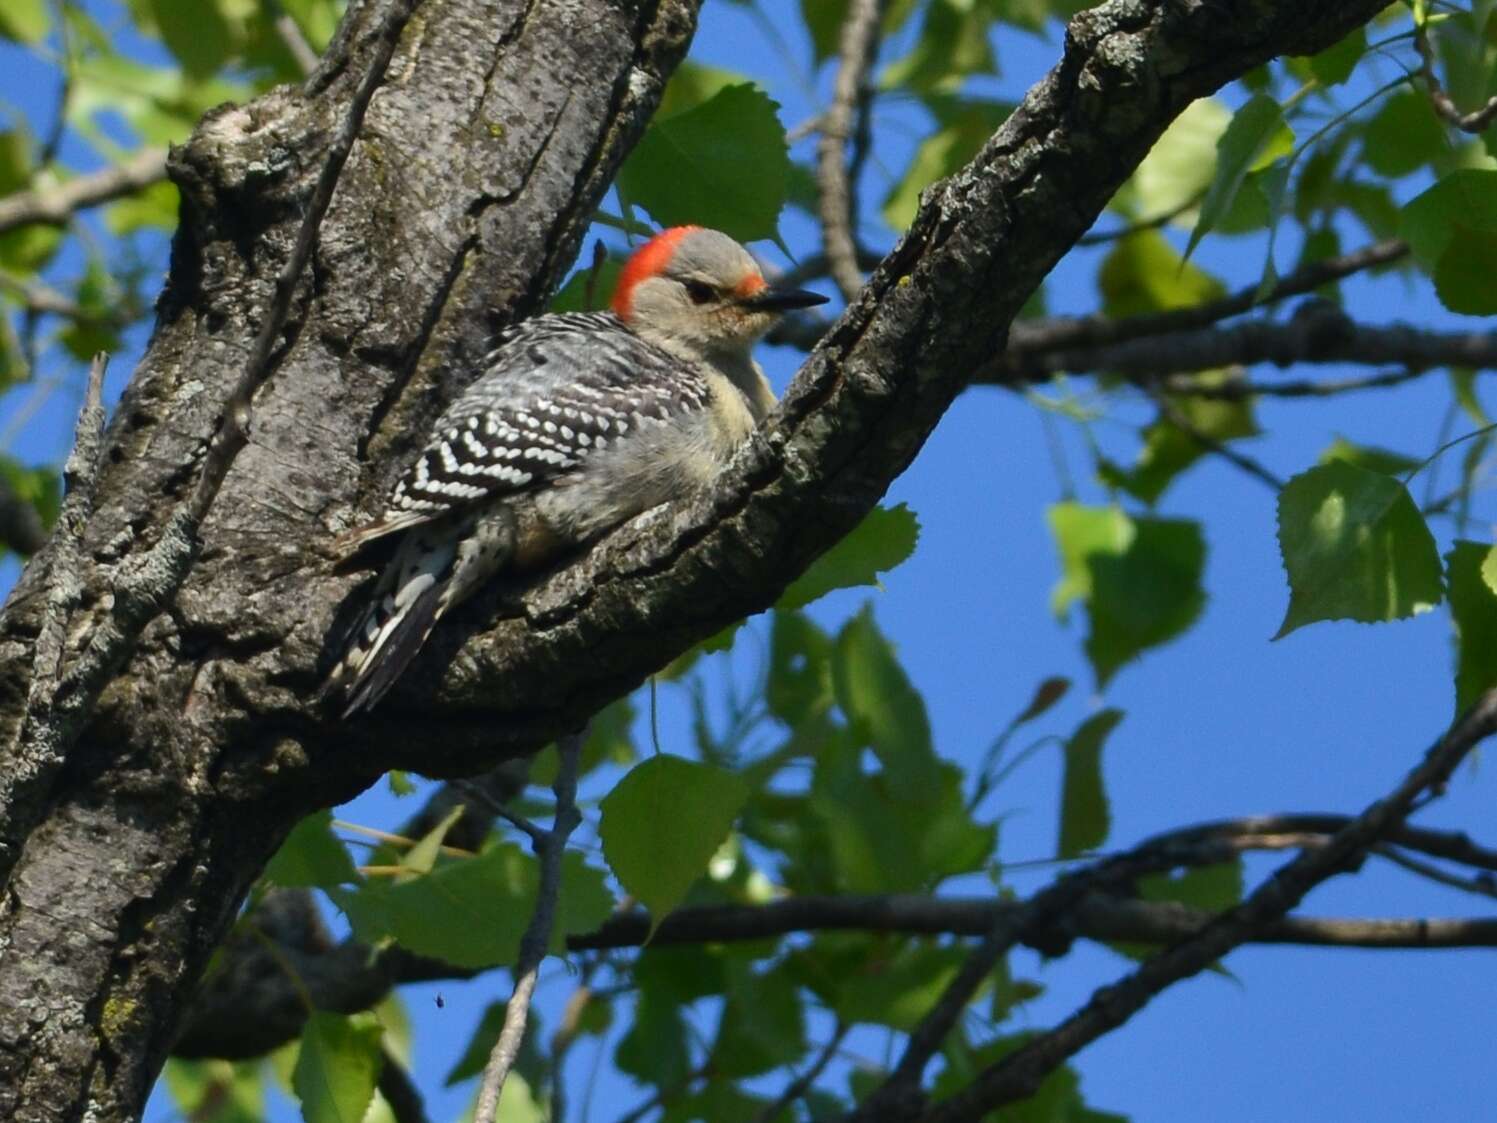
(647, 261)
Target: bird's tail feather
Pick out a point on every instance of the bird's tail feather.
(407, 603)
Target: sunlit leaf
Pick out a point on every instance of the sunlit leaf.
(1355, 548)
(216, 1091)
(1256, 137)
(1471, 569)
(1371, 457)
(722, 164)
(1179, 167)
(661, 824)
(884, 539)
(881, 704)
(312, 856)
(1335, 64)
(1139, 578)
(1169, 450)
(24, 21)
(1143, 273)
(337, 1067)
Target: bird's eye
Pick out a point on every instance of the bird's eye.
(699, 292)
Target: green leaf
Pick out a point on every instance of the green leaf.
(1372, 458)
(694, 83)
(154, 207)
(195, 32)
(654, 1050)
(423, 856)
(1143, 273)
(1335, 64)
(882, 706)
(953, 44)
(471, 912)
(894, 989)
(966, 124)
(1168, 450)
(662, 823)
(24, 21)
(40, 487)
(1355, 548)
(800, 669)
(880, 834)
(1403, 136)
(884, 539)
(312, 856)
(1140, 579)
(1463, 276)
(763, 1024)
(1472, 575)
(1179, 167)
(216, 1091)
(1448, 228)
(1256, 137)
(530, 1063)
(337, 1067)
(1084, 815)
(723, 164)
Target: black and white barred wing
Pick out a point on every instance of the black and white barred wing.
(555, 391)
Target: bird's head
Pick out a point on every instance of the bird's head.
(697, 290)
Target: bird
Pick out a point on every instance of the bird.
(576, 423)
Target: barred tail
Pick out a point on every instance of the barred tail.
(407, 603)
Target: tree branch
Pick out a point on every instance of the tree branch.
(857, 46)
(1474, 122)
(1021, 1072)
(56, 205)
(1318, 332)
(549, 850)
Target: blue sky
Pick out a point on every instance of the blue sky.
(1219, 723)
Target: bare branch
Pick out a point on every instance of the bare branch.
(1474, 122)
(538, 934)
(400, 1093)
(56, 205)
(1021, 1072)
(1318, 332)
(289, 32)
(1101, 331)
(856, 48)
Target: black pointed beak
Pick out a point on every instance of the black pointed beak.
(776, 299)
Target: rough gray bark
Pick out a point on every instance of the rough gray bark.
(479, 162)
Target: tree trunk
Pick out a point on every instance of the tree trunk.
(490, 140)
(479, 163)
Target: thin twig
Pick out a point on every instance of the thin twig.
(1210, 444)
(1238, 389)
(475, 794)
(1019, 1073)
(802, 1083)
(1102, 237)
(289, 32)
(857, 46)
(1100, 331)
(56, 205)
(537, 938)
(1482, 885)
(1474, 122)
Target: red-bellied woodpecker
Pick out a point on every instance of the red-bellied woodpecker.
(578, 422)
